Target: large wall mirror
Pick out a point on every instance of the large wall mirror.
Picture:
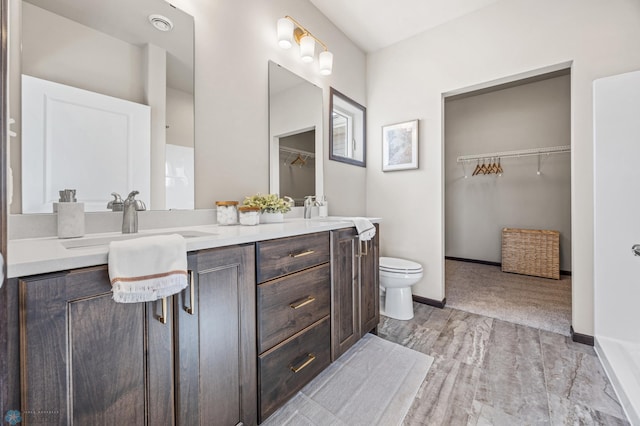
(106, 105)
(295, 135)
(347, 124)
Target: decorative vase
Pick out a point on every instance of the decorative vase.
(266, 217)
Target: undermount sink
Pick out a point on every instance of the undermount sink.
(104, 241)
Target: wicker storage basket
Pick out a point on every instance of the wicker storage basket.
(531, 252)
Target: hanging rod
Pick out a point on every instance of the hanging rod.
(297, 151)
(518, 153)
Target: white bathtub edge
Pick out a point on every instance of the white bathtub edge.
(630, 411)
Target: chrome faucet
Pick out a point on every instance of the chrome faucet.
(308, 203)
(115, 205)
(130, 214)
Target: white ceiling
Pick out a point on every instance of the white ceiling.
(374, 24)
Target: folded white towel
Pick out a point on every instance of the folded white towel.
(147, 268)
(365, 228)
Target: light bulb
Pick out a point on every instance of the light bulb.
(326, 62)
(285, 33)
(307, 48)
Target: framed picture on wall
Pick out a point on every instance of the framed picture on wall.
(400, 146)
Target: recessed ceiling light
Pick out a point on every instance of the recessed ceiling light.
(160, 22)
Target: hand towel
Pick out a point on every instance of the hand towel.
(365, 228)
(147, 268)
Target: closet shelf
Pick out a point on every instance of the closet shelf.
(517, 153)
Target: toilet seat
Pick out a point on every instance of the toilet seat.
(399, 266)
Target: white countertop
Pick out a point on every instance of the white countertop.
(41, 255)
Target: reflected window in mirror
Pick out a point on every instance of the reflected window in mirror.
(347, 124)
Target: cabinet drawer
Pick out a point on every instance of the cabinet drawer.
(307, 352)
(286, 255)
(292, 303)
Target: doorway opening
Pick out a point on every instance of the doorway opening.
(507, 165)
(297, 165)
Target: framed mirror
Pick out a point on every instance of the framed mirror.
(347, 124)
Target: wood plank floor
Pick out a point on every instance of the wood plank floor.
(493, 372)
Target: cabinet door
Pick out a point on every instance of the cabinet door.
(345, 314)
(87, 360)
(370, 284)
(216, 356)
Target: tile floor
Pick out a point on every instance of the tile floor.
(492, 372)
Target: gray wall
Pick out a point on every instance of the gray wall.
(80, 56)
(477, 208)
(179, 117)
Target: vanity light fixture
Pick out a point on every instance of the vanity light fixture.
(160, 22)
(289, 30)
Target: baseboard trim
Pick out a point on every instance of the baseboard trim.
(585, 339)
(482, 262)
(431, 302)
(486, 262)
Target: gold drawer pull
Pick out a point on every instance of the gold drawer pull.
(306, 301)
(303, 253)
(311, 358)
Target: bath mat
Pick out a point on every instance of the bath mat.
(373, 383)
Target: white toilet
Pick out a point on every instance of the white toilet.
(396, 278)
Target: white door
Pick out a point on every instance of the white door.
(617, 229)
(77, 139)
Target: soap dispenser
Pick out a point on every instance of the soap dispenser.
(70, 215)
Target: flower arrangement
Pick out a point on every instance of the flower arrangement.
(269, 203)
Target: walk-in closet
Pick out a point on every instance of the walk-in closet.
(508, 201)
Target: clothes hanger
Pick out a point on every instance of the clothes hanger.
(477, 169)
(483, 168)
(286, 161)
(494, 167)
(299, 160)
(499, 170)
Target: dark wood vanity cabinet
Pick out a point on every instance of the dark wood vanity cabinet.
(215, 334)
(87, 360)
(293, 307)
(370, 284)
(355, 308)
(256, 323)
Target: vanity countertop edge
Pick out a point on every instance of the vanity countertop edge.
(34, 256)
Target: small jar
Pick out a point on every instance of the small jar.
(249, 215)
(227, 212)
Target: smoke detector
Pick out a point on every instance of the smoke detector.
(160, 22)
